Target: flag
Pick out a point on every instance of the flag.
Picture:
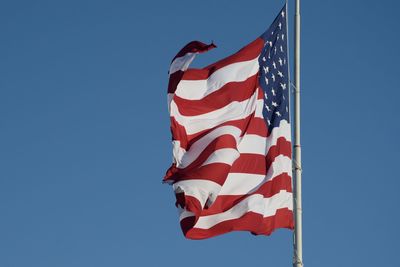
(231, 138)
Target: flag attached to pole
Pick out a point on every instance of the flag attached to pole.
(232, 138)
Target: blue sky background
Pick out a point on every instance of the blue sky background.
(85, 141)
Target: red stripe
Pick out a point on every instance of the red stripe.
(194, 171)
(250, 163)
(223, 141)
(253, 222)
(190, 203)
(187, 224)
(174, 79)
(249, 52)
(218, 172)
(194, 47)
(233, 91)
(241, 124)
(282, 147)
(257, 126)
(179, 132)
(259, 164)
(225, 202)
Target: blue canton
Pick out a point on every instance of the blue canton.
(274, 72)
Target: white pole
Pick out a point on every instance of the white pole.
(298, 240)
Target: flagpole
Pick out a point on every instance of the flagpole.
(298, 238)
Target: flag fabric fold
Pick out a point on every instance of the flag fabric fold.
(231, 138)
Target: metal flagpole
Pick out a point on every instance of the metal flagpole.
(298, 240)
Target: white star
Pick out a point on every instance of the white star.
(287, 109)
(283, 37)
(280, 61)
(277, 37)
(280, 74)
(266, 106)
(273, 77)
(266, 80)
(274, 104)
(275, 49)
(272, 33)
(269, 122)
(283, 96)
(283, 85)
(273, 92)
(278, 113)
(282, 49)
(270, 44)
(266, 96)
(274, 64)
(264, 59)
(266, 69)
(284, 61)
(283, 14)
(280, 26)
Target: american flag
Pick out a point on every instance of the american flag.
(231, 136)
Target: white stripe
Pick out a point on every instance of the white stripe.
(255, 144)
(236, 72)
(177, 152)
(259, 108)
(184, 213)
(283, 130)
(169, 100)
(202, 190)
(235, 184)
(186, 158)
(254, 203)
(181, 63)
(233, 111)
(249, 143)
(245, 183)
(224, 155)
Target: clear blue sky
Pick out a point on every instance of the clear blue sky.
(85, 141)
